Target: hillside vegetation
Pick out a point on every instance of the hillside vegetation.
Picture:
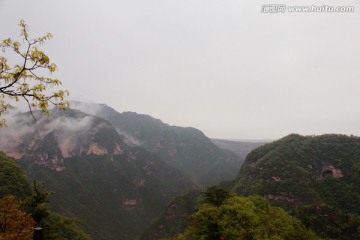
(222, 215)
(13, 182)
(175, 218)
(316, 178)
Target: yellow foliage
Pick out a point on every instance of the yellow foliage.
(22, 81)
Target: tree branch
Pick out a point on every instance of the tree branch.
(30, 109)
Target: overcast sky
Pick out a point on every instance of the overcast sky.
(221, 66)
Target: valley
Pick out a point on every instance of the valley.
(115, 172)
(128, 175)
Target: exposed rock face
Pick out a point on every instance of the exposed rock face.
(276, 179)
(50, 140)
(329, 171)
(130, 203)
(282, 197)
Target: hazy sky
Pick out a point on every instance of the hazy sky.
(221, 66)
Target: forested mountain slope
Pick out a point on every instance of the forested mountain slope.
(316, 178)
(175, 218)
(12, 179)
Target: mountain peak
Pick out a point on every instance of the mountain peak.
(185, 148)
(63, 134)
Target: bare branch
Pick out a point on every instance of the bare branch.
(30, 109)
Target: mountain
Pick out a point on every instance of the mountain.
(239, 147)
(115, 189)
(63, 135)
(187, 149)
(316, 178)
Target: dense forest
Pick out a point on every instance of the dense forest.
(222, 215)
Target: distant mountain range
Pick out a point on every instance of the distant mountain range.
(240, 147)
(117, 172)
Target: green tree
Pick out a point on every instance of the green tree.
(215, 195)
(249, 218)
(38, 203)
(23, 80)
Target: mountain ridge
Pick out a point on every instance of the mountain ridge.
(185, 148)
